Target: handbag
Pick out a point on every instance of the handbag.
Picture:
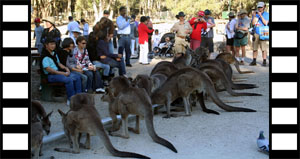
(240, 35)
(263, 32)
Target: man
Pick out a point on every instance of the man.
(259, 18)
(57, 72)
(123, 23)
(150, 26)
(143, 40)
(106, 13)
(85, 28)
(241, 39)
(207, 37)
(182, 29)
(229, 29)
(133, 34)
(71, 26)
(38, 31)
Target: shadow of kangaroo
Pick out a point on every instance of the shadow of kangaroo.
(87, 120)
(135, 101)
(227, 57)
(39, 122)
(182, 83)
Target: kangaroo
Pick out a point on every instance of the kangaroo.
(133, 101)
(184, 82)
(117, 84)
(143, 81)
(184, 60)
(88, 120)
(166, 68)
(36, 139)
(227, 57)
(157, 80)
(39, 116)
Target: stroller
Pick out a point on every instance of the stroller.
(165, 52)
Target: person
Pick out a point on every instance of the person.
(241, 39)
(136, 37)
(71, 26)
(197, 23)
(262, 19)
(85, 67)
(38, 31)
(156, 38)
(51, 32)
(91, 47)
(229, 30)
(106, 13)
(208, 35)
(57, 72)
(150, 26)
(85, 28)
(182, 29)
(113, 60)
(76, 33)
(66, 50)
(143, 40)
(163, 47)
(123, 23)
(133, 35)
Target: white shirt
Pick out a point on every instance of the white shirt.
(86, 29)
(156, 39)
(230, 31)
(123, 25)
(71, 26)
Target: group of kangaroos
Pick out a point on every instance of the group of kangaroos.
(188, 79)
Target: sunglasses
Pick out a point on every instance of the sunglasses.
(83, 43)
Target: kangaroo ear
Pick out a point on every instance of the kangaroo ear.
(61, 113)
(48, 115)
(130, 79)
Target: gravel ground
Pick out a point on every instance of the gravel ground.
(230, 135)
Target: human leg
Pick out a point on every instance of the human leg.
(90, 78)
(105, 67)
(127, 50)
(68, 83)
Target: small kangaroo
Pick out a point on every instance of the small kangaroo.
(133, 101)
(185, 59)
(165, 67)
(39, 118)
(227, 57)
(143, 81)
(88, 120)
(182, 83)
(157, 80)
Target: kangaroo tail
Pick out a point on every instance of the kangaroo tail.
(152, 133)
(237, 66)
(63, 150)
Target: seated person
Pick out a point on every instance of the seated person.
(57, 72)
(155, 38)
(113, 60)
(84, 67)
(163, 46)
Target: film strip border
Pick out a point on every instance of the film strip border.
(284, 79)
(15, 79)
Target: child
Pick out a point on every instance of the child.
(155, 39)
(38, 34)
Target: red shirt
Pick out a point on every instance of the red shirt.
(143, 33)
(196, 34)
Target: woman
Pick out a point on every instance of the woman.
(229, 28)
(84, 67)
(197, 24)
(143, 40)
(51, 32)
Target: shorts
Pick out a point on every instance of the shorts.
(180, 45)
(240, 42)
(259, 43)
(208, 43)
(229, 41)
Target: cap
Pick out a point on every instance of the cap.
(207, 12)
(231, 14)
(242, 11)
(105, 12)
(201, 13)
(37, 20)
(260, 4)
(76, 29)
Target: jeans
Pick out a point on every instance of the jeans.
(84, 79)
(72, 83)
(132, 46)
(105, 67)
(94, 79)
(124, 43)
(111, 46)
(119, 64)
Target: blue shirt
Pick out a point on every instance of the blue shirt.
(48, 62)
(260, 23)
(86, 29)
(123, 25)
(38, 31)
(71, 26)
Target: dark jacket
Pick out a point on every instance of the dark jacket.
(62, 56)
(103, 50)
(54, 34)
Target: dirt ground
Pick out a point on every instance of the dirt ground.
(230, 135)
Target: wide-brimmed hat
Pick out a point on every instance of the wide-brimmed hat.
(201, 13)
(76, 29)
(260, 4)
(50, 20)
(180, 14)
(243, 11)
(231, 14)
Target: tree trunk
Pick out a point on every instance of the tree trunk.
(69, 8)
(95, 11)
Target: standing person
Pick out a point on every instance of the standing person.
(136, 37)
(38, 31)
(208, 36)
(133, 34)
(85, 28)
(57, 72)
(262, 19)
(111, 30)
(51, 32)
(143, 40)
(241, 39)
(197, 23)
(229, 29)
(71, 26)
(76, 33)
(86, 68)
(182, 29)
(106, 13)
(123, 23)
(150, 26)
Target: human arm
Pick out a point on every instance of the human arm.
(212, 22)
(174, 28)
(265, 20)
(122, 23)
(71, 65)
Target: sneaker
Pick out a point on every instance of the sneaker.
(125, 76)
(241, 62)
(68, 102)
(100, 90)
(264, 63)
(253, 63)
(105, 83)
(128, 65)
